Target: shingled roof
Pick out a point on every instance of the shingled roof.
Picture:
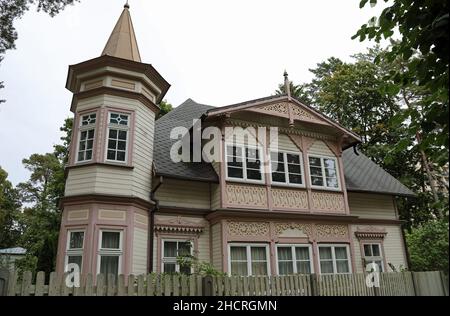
(361, 173)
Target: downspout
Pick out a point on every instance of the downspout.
(151, 225)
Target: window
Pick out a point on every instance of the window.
(171, 250)
(118, 130)
(248, 260)
(323, 172)
(373, 254)
(74, 249)
(294, 259)
(86, 137)
(286, 168)
(334, 259)
(244, 163)
(110, 252)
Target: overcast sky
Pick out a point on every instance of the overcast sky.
(215, 52)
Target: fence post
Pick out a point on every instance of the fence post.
(4, 276)
(314, 285)
(444, 281)
(208, 287)
(414, 283)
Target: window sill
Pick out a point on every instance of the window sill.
(245, 181)
(287, 185)
(104, 164)
(314, 188)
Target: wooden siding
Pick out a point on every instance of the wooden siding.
(139, 251)
(374, 206)
(216, 246)
(180, 193)
(320, 148)
(393, 247)
(215, 196)
(285, 144)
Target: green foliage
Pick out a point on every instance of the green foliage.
(428, 246)
(199, 267)
(9, 212)
(165, 107)
(300, 92)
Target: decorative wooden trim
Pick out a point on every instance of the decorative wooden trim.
(106, 199)
(178, 225)
(370, 232)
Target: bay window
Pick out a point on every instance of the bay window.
(373, 255)
(74, 248)
(334, 259)
(110, 252)
(294, 259)
(171, 249)
(286, 168)
(244, 163)
(323, 171)
(246, 260)
(118, 133)
(86, 137)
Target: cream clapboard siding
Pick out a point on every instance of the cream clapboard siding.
(216, 241)
(139, 251)
(320, 148)
(392, 244)
(374, 206)
(111, 180)
(215, 196)
(180, 193)
(284, 144)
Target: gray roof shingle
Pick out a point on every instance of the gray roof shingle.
(361, 173)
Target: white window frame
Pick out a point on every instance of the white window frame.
(111, 252)
(249, 256)
(126, 128)
(324, 178)
(368, 259)
(286, 169)
(294, 256)
(244, 163)
(75, 251)
(164, 260)
(86, 128)
(333, 256)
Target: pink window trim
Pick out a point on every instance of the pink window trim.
(73, 149)
(369, 241)
(168, 236)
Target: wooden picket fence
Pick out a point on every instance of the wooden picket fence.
(391, 284)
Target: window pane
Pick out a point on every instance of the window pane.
(83, 135)
(122, 135)
(252, 153)
(314, 161)
(325, 253)
(316, 171)
(294, 168)
(303, 267)
(258, 253)
(235, 173)
(169, 267)
(184, 248)
(113, 133)
(91, 133)
(293, 159)
(238, 253)
(376, 250)
(317, 181)
(112, 144)
(274, 156)
(340, 252)
(185, 269)
(111, 155)
(295, 178)
(330, 163)
(302, 253)
(234, 161)
(76, 260)
(254, 174)
(253, 164)
(342, 266)
(285, 267)
(239, 268)
(277, 166)
(259, 268)
(284, 253)
(88, 154)
(121, 145)
(109, 264)
(367, 251)
(111, 240)
(170, 249)
(278, 177)
(330, 173)
(326, 266)
(121, 156)
(76, 240)
(332, 182)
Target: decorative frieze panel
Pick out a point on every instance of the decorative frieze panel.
(112, 215)
(328, 202)
(178, 224)
(288, 229)
(370, 232)
(301, 114)
(285, 198)
(78, 215)
(246, 195)
(278, 108)
(327, 231)
(248, 229)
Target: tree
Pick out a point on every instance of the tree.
(11, 10)
(428, 246)
(299, 92)
(41, 220)
(9, 212)
(165, 107)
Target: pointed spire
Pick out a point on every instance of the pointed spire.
(287, 86)
(122, 42)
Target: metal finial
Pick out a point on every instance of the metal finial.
(126, 6)
(287, 86)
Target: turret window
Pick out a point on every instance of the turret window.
(86, 137)
(118, 131)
